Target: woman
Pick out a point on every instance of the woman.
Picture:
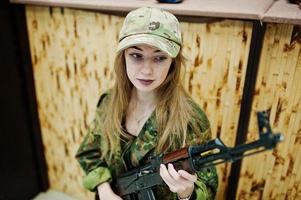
(146, 112)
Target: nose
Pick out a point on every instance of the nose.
(147, 68)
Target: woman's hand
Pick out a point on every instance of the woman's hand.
(105, 192)
(180, 182)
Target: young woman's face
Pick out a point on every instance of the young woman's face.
(147, 67)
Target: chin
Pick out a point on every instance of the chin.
(145, 88)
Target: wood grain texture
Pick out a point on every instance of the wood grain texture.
(276, 174)
(217, 61)
(72, 55)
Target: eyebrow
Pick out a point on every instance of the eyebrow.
(135, 47)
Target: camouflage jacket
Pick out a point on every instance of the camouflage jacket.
(136, 152)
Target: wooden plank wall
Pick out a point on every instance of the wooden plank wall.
(72, 55)
(277, 174)
(216, 68)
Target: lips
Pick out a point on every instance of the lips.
(145, 81)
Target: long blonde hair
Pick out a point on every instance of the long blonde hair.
(174, 112)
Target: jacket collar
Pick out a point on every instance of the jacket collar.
(146, 140)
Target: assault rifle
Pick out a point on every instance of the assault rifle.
(138, 183)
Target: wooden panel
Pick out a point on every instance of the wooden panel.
(276, 174)
(217, 60)
(72, 55)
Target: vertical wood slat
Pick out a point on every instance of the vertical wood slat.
(276, 175)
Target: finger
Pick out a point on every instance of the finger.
(176, 178)
(178, 181)
(183, 181)
(167, 178)
(172, 171)
(165, 175)
(188, 176)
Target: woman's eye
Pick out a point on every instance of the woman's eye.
(160, 58)
(136, 56)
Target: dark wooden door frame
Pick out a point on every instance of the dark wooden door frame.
(258, 32)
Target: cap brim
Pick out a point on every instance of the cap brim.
(165, 45)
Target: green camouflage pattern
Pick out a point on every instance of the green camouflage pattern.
(139, 149)
(151, 26)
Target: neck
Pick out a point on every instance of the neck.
(144, 99)
(141, 106)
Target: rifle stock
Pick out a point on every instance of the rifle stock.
(140, 181)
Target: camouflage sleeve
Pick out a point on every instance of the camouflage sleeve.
(89, 157)
(207, 182)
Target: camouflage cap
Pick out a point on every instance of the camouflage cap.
(151, 26)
